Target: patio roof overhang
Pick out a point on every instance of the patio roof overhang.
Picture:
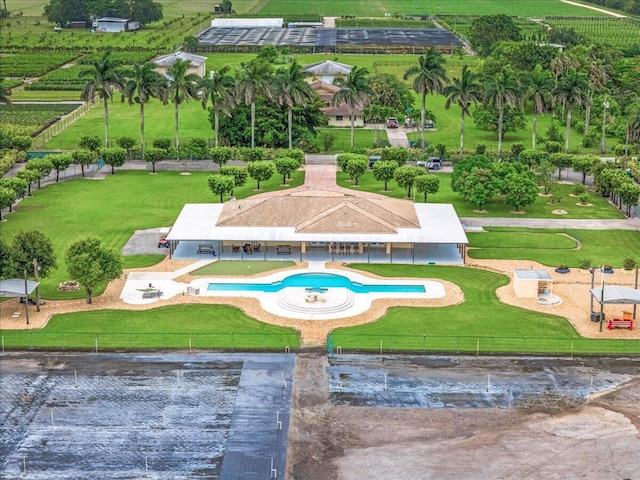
(439, 224)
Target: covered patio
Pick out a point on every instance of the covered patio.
(320, 229)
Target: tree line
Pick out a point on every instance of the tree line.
(63, 12)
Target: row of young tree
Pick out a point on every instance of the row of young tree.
(63, 12)
(31, 255)
(479, 178)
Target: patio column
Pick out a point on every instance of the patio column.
(303, 247)
(388, 248)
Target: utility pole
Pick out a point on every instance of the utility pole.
(35, 275)
(26, 296)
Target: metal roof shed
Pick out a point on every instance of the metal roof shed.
(531, 283)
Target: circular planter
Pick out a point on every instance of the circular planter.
(607, 270)
(562, 270)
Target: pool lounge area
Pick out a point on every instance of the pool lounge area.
(448, 254)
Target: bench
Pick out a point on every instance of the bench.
(152, 294)
(206, 248)
(283, 250)
(617, 323)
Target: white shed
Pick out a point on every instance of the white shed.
(531, 283)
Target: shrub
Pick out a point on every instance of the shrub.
(584, 198)
(480, 149)
(585, 263)
(629, 263)
(563, 266)
(578, 189)
(397, 154)
(552, 147)
(517, 149)
(162, 143)
(622, 150)
(607, 266)
(294, 153)
(248, 154)
(221, 155)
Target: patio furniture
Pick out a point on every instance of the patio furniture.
(332, 248)
(152, 294)
(347, 249)
(283, 250)
(617, 323)
(206, 248)
(356, 249)
(235, 248)
(341, 249)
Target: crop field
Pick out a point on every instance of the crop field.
(618, 32)
(31, 64)
(37, 33)
(361, 8)
(384, 23)
(33, 117)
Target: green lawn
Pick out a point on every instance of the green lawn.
(206, 326)
(234, 267)
(362, 8)
(112, 209)
(496, 207)
(553, 247)
(481, 321)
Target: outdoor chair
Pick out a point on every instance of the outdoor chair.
(341, 250)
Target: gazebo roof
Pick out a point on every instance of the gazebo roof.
(14, 287)
(616, 294)
(531, 274)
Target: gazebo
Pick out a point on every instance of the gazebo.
(18, 287)
(615, 294)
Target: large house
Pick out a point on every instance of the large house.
(198, 63)
(320, 225)
(321, 77)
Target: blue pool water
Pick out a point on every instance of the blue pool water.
(317, 281)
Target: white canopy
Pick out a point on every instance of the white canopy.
(14, 287)
(616, 294)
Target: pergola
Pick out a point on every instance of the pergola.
(18, 287)
(615, 294)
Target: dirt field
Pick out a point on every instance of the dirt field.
(598, 440)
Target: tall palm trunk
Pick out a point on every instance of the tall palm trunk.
(353, 125)
(534, 128)
(106, 122)
(423, 114)
(461, 137)
(253, 125)
(142, 130)
(215, 125)
(290, 118)
(500, 122)
(587, 113)
(177, 136)
(568, 132)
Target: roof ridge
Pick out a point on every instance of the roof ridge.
(379, 203)
(345, 203)
(241, 210)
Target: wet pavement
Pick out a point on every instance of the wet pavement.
(131, 416)
(469, 382)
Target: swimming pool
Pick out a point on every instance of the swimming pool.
(318, 281)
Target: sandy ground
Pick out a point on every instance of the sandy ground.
(572, 288)
(599, 440)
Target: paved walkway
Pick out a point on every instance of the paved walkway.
(397, 137)
(581, 224)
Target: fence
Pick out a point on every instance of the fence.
(343, 343)
(50, 132)
(102, 341)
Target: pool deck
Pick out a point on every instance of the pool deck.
(290, 302)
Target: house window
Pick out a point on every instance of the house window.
(338, 118)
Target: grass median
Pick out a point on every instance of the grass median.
(180, 326)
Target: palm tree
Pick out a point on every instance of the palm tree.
(598, 78)
(572, 90)
(5, 93)
(141, 84)
(463, 92)
(502, 89)
(539, 88)
(292, 90)
(219, 90)
(431, 77)
(253, 81)
(354, 92)
(182, 87)
(103, 76)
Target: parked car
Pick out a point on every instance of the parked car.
(434, 163)
(373, 159)
(429, 124)
(392, 122)
(410, 122)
